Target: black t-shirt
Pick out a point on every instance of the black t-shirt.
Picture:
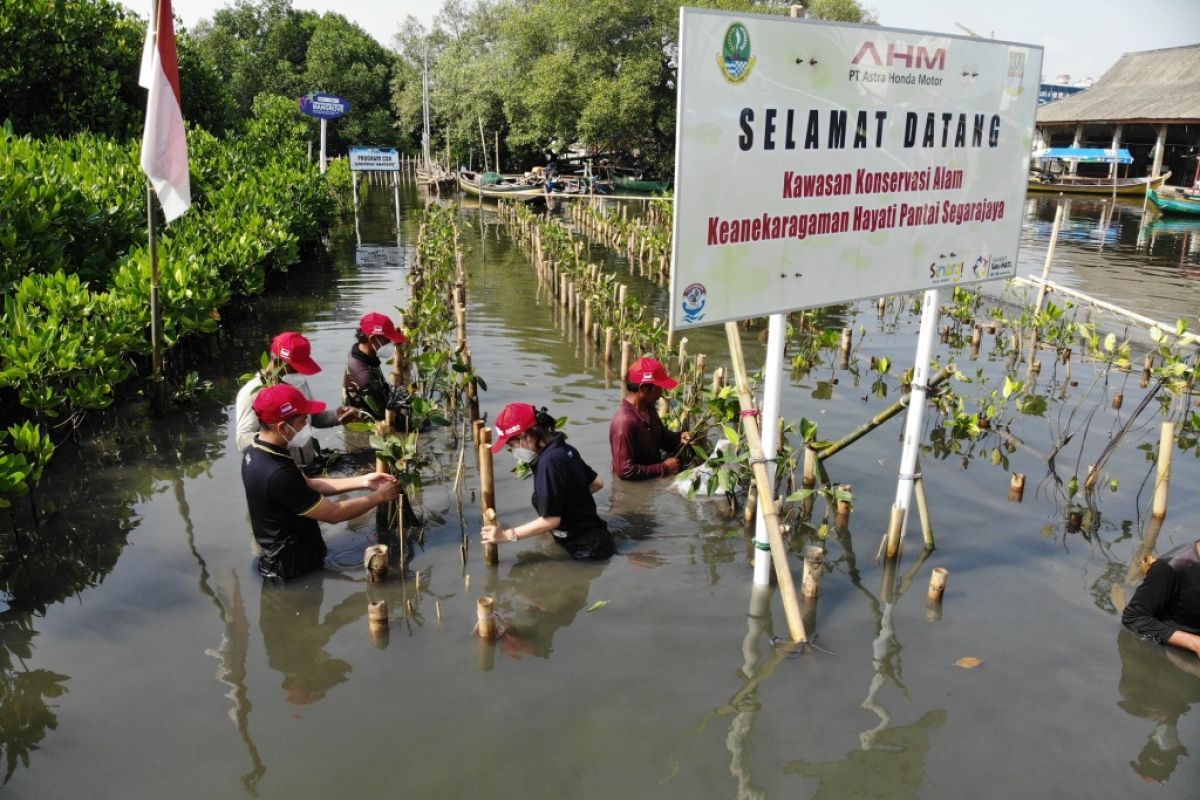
(560, 489)
(1168, 599)
(278, 497)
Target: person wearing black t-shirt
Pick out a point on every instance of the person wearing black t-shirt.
(285, 506)
(563, 485)
(1166, 607)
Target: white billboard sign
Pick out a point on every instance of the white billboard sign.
(820, 163)
(375, 159)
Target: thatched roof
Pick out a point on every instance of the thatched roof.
(1151, 86)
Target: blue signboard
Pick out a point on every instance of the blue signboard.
(324, 106)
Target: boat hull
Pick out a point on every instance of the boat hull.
(1176, 205)
(471, 186)
(1124, 188)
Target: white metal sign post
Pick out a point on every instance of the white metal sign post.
(823, 163)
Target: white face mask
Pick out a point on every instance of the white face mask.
(302, 437)
(523, 454)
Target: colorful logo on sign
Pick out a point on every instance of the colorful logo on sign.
(735, 60)
(947, 269)
(695, 297)
(1014, 82)
(980, 268)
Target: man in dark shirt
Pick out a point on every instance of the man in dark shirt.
(285, 506)
(1166, 607)
(637, 434)
(364, 386)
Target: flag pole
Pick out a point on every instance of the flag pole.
(155, 311)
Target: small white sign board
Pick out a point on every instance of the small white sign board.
(374, 159)
(821, 163)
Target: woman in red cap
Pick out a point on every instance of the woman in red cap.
(364, 386)
(563, 485)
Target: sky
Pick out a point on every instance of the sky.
(1081, 39)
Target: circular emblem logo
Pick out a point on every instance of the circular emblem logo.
(695, 297)
(735, 60)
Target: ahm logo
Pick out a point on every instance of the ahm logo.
(906, 56)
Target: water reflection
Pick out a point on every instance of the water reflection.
(541, 595)
(1160, 685)
(295, 635)
(25, 711)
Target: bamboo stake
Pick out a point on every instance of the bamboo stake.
(375, 562)
(937, 587)
(487, 493)
(880, 418)
(718, 380)
(895, 524)
(1016, 487)
(377, 620)
(485, 622)
(608, 344)
(787, 589)
(1166, 444)
(813, 560)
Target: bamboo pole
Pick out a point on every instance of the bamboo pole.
(1162, 485)
(895, 527)
(814, 558)
(377, 620)
(937, 587)
(608, 344)
(880, 418)
(787, 589)
(487, 493)
(1016, 487)
(923, 511)
(375, 562)
(485, 621)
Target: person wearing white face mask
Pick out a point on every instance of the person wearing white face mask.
(563, 485)
(291, 363)
(364, 386)
(285, 506)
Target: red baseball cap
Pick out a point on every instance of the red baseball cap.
(649, 370)
(515, 419)
(295, 351)
(374, 324)
(277, 403)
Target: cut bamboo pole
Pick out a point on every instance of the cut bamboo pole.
(608, 344)
(1162, 485)
(787, 589)
(895, 526)
(814, 558)
(937, 583)
(485, 621)
(626, 348)
(377, 621)
(1016, 487)
(923, 510)
(487, 494)
(842, 517)
(1117, 400)
(375, 562)
(718, 380)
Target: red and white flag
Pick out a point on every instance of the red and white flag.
(164, 142)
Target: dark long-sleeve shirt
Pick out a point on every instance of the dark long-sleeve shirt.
(638, 439)
(1168, 599)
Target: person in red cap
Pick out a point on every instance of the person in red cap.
(637, 434)
(364, 386)
(285, 506)
(291, 363)
(563, 485)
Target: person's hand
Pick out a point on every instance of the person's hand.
(671, 465)
(492, 534)
(349, 414)
(685, 437)
(378, 480)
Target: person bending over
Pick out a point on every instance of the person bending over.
(637, 434)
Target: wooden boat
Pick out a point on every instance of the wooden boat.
(1176, 202)
(640, 185)
(484, 185)
(1044, 179)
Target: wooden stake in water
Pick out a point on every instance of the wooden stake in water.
(487, 493)
(1166, 446)
(1016, 487)
(485, 621)
(766, 499)
(814, 558)
(375, 562)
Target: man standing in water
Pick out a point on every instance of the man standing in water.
(637, 434)
(291, 363)
(285, 506)
(1166, 607)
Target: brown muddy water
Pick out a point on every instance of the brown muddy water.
(142, 657)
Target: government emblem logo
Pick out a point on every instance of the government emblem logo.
(695, 298)
(735, 60)
(1014, 82)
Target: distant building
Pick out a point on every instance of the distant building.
(1060, 88)
(1148, 103)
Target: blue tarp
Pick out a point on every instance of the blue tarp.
(1086, 155)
